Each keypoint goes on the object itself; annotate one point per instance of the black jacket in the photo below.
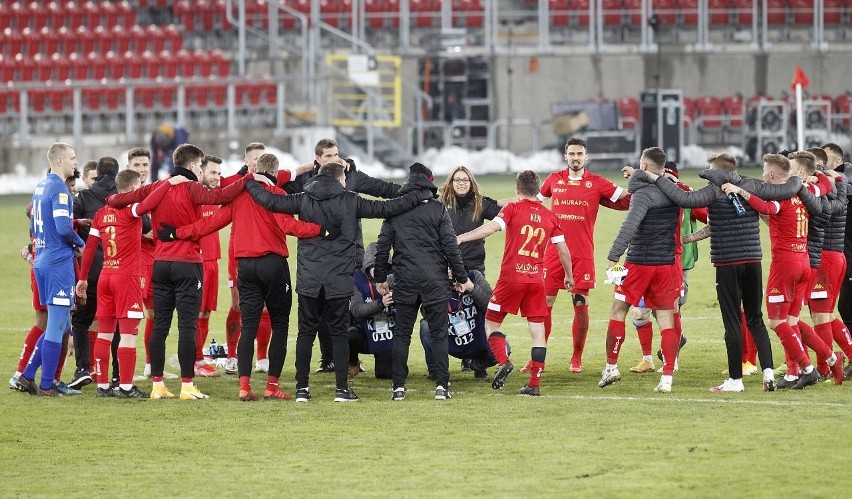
(473, 252)
(835, 232)
(356, 181)
(648, 231)
(325, 263)
(86, 204)
(424, 245)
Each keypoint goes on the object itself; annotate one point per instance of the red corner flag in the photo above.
(799, 78)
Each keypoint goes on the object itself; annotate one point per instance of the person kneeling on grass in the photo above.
(520, 287)
(374, 320)
(466, 313)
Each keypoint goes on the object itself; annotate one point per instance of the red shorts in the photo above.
(659, 284)
(120, 296)
(510, 297)
(210, 286)
(147, 286)
(37, 306)
(554, 274)
(232, 271)
(826, 282)
(786, 287)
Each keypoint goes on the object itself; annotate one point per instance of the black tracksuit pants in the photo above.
(741, 285)
(436, 315)
(263, 281)
(335, 313)
(177, 286)
(383, 366)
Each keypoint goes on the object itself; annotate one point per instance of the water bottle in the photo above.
(738, 205)
(214, 348)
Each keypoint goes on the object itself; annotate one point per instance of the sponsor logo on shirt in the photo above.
(63, 198)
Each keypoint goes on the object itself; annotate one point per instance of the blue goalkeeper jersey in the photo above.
(52, 224)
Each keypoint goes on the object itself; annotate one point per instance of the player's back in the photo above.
(119, 232)
(788, 230)
(529, 225)
(51, 200)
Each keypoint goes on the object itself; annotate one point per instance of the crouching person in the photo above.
(374, 319)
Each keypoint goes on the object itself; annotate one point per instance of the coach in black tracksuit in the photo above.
(86, 204)
(424, 246)
(356, 181)
(325, 268)
(736, 254)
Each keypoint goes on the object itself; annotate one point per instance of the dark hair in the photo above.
(574, 141)
(806, 159)
(324, 144)
(186, 153)
(331, 169)
(210, 159)
(656, 156)
(89, 166)
(831, 146)
(778, 160)
(819, 154)
(107, 166)
(138, 152)
(254, 146)
(528, 183)
(125, 180)
(448, 194)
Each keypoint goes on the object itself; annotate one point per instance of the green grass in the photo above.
(576, 440)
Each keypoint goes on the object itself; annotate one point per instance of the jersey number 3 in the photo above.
(109, 247)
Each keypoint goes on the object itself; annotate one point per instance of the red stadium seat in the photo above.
(666, 11)
(103, 39)
(150, 65)
(114, 98)
(43, 68)
(374, 11)
(734, 107)
(143, 97)
(91, 98)
(75, 15)
(710, 110)
(86, 40)
(60, 100)
(392, 8)
(185, 64)
(25, 69)
(174, 40)
(330, 12)
(120, 39)
(152, 38)
(7, 69)
(5, 16)
(78, 67)
(423, 13)
(219, 94)
(13, 42)
(107, 15)
(468, 13)
(92, 14)
(10, 101)
(50, 40)
(126, 16)
(202, 61)
(803, 11)
(220, 65)
(61, 67)
(634, 10)
(18, 13)
(39, 16)
(247, 94)
(170, 68)
(843, 108)
(689, 11)
(115, 65)
(30, 42)
(559, 12)
(612, 10)
(628, 110)
(689, 112)
(719, 11)
(776, 13)
(580, 11)
(167, 97)
(833, 11)
(184, 13)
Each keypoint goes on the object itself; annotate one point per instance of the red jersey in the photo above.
(181, 206)
(575, 202)
(256, 231)
(210, 247)
(117, 230)
(528, 224)
(148, 250)
(788, 227)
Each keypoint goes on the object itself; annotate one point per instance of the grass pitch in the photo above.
(576, 440)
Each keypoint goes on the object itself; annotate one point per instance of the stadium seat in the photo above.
(423, 13)
(50, 40)
(30, 40)
(77, 66)
(776, 13)
(132, 65)
(733, 107)
(184, 62)
(60, 100)
(174, 40)
(5, 16)
(843, 109)
(13, 42)
(559, 12)
(39, 16)
(688, 11)
(220, 65)
(374, 11)
(833, 10)
(710, 110)
(744, 14)
(689, 112)
(86, 40)
(120, 39)
(392, 8)
(61, 67)
(202, 61)
(92, 14)
(184, 13)
(580, 12)
(803, 11)
(125, 15)
(115, 65)
(143, 97)
(666, 11)
(18, 15)
(633, 11)
(10, 101)
(151, 64)
(24, 68)
(43, 67)
(719, 11)
(75, 15)
(167, 97)
(330, 12)
(612, 10)
(628, 111)
(91, 98)
(114, 98)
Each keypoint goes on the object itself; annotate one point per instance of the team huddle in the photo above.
(150, 250)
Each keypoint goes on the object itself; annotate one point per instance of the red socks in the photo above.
(29, 346)
(536, 369)
(149, 329)
(232, 331)
(646, 337)
(245, 383)
(264, 333)
(126, 365)
(201, 330)
(272, 383)
(101, 363)
(792, 344)
(669, 343)
(810, 338)
(579, 330)
(841, 336)
(677, 325)
(614, 340)
(497, 342)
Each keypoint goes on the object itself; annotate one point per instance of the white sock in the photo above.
(790, 377)
(187, 385)
(832, 360)
(18, 374)
(666, 379)
(610, 367)
(126, 388)
(103, 386)
(200, 363)
(159, 383)
(808, 369)
(648, 358)
(768, 374)
(737, 381)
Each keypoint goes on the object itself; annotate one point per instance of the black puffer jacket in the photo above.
(356, 181)
(836, 229)
(472, 252)
(733, 239)
(424, 245)
(648, 230)
(86, 204)
(325, 263)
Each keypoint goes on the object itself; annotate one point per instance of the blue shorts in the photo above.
(56, 284)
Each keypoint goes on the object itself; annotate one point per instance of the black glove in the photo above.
(243, 170)
(351, 164)
(167, 233)
(420, 168)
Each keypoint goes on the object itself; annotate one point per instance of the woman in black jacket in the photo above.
(468, 209)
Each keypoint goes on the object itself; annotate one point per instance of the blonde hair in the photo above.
(56, 149)
(267, 163)
(723, 160)
(448, 194)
